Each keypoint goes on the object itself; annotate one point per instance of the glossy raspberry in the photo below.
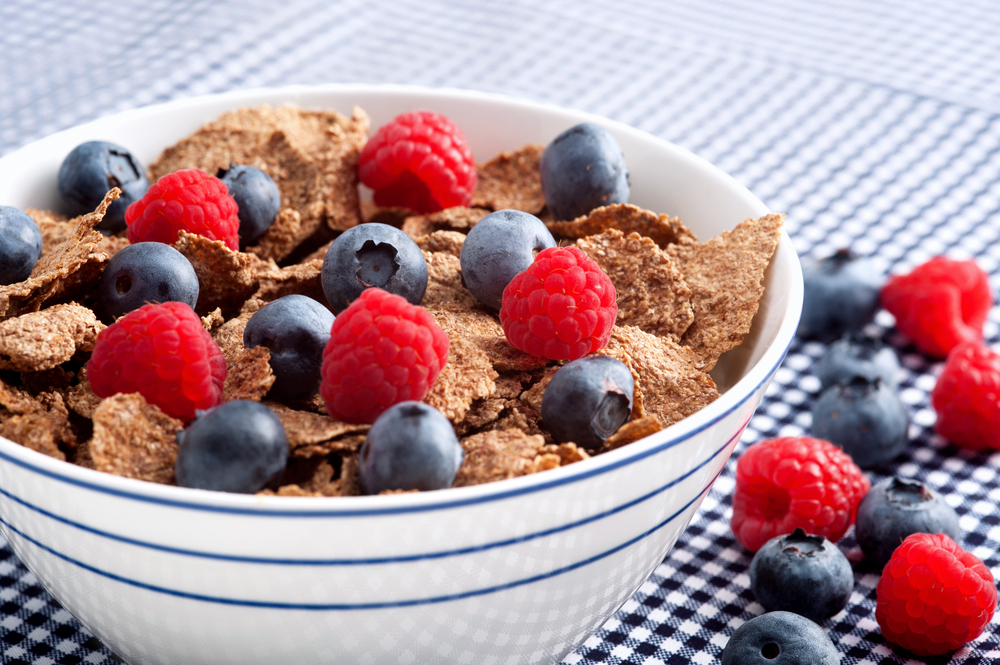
(188, 200)
(967, 397)
(421, 161)
(933, 596)
(382, 351)
(940, 304)
(561, 307)
(162, 352)
(791, 482)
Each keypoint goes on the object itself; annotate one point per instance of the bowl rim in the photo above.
(364, 506)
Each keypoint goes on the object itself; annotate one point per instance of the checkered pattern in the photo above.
(873, 125)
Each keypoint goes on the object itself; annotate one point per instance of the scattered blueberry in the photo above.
(90, 170)
(801, 573)
(238, 446)
(256, 195)
(296, 329)
(582, 169)
(143, 273)
(780, 638)
(896, 508)
(865, 418)
(841, 294)
(370, 255)
(587, 400)
(20, 245)
(411, 446)
(856, 355)
(497, 248)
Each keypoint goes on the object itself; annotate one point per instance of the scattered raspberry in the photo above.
(966, 397)
(163, 353)
(419, 161)
(940, 304)
(189, 200)
(561, 307)
(382, 351)
(792, 482)
(933, 596)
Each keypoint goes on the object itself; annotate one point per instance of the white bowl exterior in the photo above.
(520, 571)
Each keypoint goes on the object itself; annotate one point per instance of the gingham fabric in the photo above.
(873, 125)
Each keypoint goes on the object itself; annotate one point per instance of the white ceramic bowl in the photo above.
(520, 571)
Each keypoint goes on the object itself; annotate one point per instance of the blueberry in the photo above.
(582, 169)
(20, 245)
(587, 400)
(841, 294)
(857, 355)
(370, 255)
(801, 573)
(90, 170)
(256, 195)
(497, 248)
(896, 508)
(779, 638)
(143, 273)
(863, 417)
(411, 446)
(238, 446)
(296, 329)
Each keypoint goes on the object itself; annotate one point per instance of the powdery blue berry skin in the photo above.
(857, 355)
(257, 196)
(370, 255)
(411, 446)
(295, 329)
(146, 272)
(239, 446)
(865, 418)
(840, 295)
(801, 573)
(90, 170)
(20, 245)
(587, 400)
(779, 638)
(896, 508)
(581, 169)
(501, 245)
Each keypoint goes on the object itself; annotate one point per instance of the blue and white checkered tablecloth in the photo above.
(872, 125)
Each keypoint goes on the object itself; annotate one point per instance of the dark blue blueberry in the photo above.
(256, 195)
(146, 272)
(20, 245)
(501, 245)
(582, 169)
(370, 255)
(296, 329)
(587, 400)
(865, 418)
(801, 573)
(857, 355)
(239, 446)
(841, 294)
(780, 638)
(896, 508)
(90, 170)
(411, 446)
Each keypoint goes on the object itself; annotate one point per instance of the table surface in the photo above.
(871, 125)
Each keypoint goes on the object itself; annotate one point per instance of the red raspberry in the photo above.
(933, 596)
(162, 352)
(792, 482)
(382, 351)
(189, 200)
(562, 307)
(967, 397)
(939, 304)
(419, 161)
